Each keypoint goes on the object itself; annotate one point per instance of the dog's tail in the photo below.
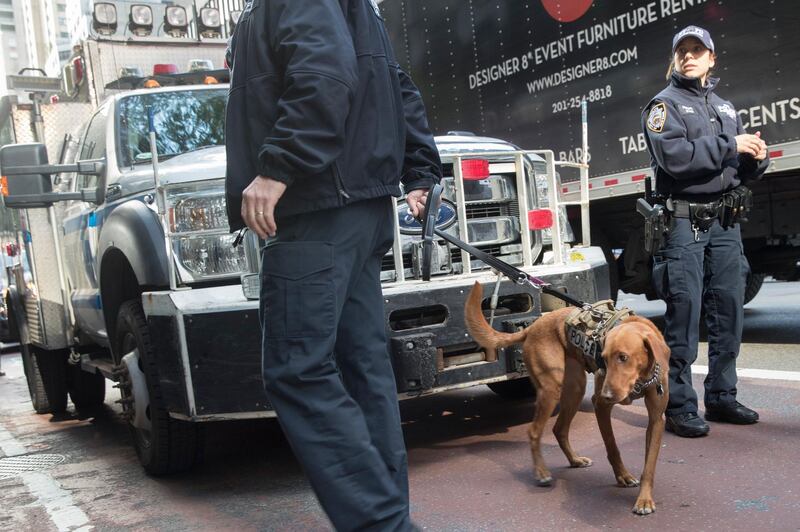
(479, 328)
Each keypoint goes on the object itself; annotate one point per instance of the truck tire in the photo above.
(170, 445)
(514, 389)
(87, 390)
(46, 373)
(754, 282)
(613, 268)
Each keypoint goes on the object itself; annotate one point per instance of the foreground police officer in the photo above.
(700, 155)
(321, 124)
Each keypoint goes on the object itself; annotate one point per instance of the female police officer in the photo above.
(700, 156)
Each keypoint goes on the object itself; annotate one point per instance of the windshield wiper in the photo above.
(207, 146)
(165, 156)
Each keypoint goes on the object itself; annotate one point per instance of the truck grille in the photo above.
(492, 214)
(495, 251)
(486, 211)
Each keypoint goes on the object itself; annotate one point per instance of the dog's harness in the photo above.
(587, 328)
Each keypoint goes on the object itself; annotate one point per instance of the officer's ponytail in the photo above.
(671, 67)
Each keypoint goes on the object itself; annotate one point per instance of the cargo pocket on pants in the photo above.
(297, 289)
(668, 276)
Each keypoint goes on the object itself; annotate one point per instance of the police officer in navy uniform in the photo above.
(322, 125)
(699, 153)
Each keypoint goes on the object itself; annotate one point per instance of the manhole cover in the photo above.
(14, 465)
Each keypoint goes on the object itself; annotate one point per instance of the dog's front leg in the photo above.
(602, 411)
(656, 404)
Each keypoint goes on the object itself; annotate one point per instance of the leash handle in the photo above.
(428, 222)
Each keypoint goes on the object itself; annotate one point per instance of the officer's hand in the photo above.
(416, 200)
(762, 151)
(258, 205)
(748, 144)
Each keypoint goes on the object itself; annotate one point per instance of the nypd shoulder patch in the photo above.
(657, 117)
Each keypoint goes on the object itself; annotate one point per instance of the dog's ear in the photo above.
(656, 348)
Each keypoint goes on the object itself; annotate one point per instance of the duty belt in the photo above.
(684, 209)
(730, 209)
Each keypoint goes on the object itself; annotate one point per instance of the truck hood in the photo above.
(449, 145)
(199, 165)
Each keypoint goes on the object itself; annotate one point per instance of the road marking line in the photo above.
(58, 502)
(48, 492)
(770, 374)
(9, 445)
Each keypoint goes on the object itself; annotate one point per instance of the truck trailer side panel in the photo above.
(518, 70)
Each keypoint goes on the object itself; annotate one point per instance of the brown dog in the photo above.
(558, 372)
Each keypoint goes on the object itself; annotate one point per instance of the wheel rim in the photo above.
(143, 435)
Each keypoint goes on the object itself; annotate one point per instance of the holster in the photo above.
(734, 206)
(656, 227)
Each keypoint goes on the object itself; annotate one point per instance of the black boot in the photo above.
(735, 413)
(687, 425)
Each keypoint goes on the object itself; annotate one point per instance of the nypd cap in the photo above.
(693, 31)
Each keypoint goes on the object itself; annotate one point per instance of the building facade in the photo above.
(35, 34)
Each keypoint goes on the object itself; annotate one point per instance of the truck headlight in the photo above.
(141, 19)
(201, 242)
(210, 256)
(210, 22)
(104, 18)
(176, 21)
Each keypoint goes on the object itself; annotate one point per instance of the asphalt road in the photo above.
(468, 452)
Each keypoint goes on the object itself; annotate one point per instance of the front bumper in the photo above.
(208, 340)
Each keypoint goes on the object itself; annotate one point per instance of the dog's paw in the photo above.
(544, 479)
(581, 461)
(627, 481)
(644, 506)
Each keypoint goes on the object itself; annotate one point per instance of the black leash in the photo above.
(512, 272)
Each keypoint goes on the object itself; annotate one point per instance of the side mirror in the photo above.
(26, 179)
(14, 186)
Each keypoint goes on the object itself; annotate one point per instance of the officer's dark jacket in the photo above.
(692, 145)
(318, 101)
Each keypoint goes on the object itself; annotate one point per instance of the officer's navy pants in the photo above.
(687, 275)
(326, 365)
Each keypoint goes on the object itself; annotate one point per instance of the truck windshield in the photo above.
(184, 121)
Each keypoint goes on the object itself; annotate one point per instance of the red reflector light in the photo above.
(77, 65)
(474, 169)
(776, 153)
(164, 68)
(609, 182)
(638, 177)
(540, 219)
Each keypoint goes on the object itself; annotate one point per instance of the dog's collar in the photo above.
(640, 386)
